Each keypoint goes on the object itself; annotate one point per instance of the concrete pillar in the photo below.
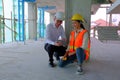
(82, 7)
(32, 20)
(68, 14)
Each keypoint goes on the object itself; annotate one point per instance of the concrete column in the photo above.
(68, 14)
(32, 20)
(82, 7)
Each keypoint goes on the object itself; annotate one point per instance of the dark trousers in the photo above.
(60, 50)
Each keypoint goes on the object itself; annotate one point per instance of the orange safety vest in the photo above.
(77, 43)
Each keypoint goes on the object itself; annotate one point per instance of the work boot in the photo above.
(51, 64)
(79, 70)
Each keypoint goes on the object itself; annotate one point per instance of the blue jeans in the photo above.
(80, 56)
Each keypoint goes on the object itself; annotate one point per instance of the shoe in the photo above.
(57, 58)
(79, 71)
(52, 65)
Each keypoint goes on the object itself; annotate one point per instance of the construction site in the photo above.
(22, 35)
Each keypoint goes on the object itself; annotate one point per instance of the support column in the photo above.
(82, 7)
(68, 14)
(32, 20)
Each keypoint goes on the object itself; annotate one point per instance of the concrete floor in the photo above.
(29, 61)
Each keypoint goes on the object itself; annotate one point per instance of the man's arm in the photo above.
(48, 35)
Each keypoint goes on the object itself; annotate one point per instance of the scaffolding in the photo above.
(2, 29)
(3, 23)
(12, 27)
(41, 25)
(41, 22)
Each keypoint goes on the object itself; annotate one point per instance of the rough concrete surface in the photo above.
(29, 61)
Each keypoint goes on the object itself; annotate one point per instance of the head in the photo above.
(77, 21)
(58, 18)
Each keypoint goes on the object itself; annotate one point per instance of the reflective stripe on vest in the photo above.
(77, 42)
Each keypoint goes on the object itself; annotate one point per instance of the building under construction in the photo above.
(22, 31)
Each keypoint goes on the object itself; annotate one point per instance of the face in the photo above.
(58, 22)
(76, 25)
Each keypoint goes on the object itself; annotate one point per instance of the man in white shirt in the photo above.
(54, 31)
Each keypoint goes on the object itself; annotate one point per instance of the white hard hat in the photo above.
(59, 15)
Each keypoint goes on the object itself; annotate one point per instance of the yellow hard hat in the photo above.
(77, 17)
